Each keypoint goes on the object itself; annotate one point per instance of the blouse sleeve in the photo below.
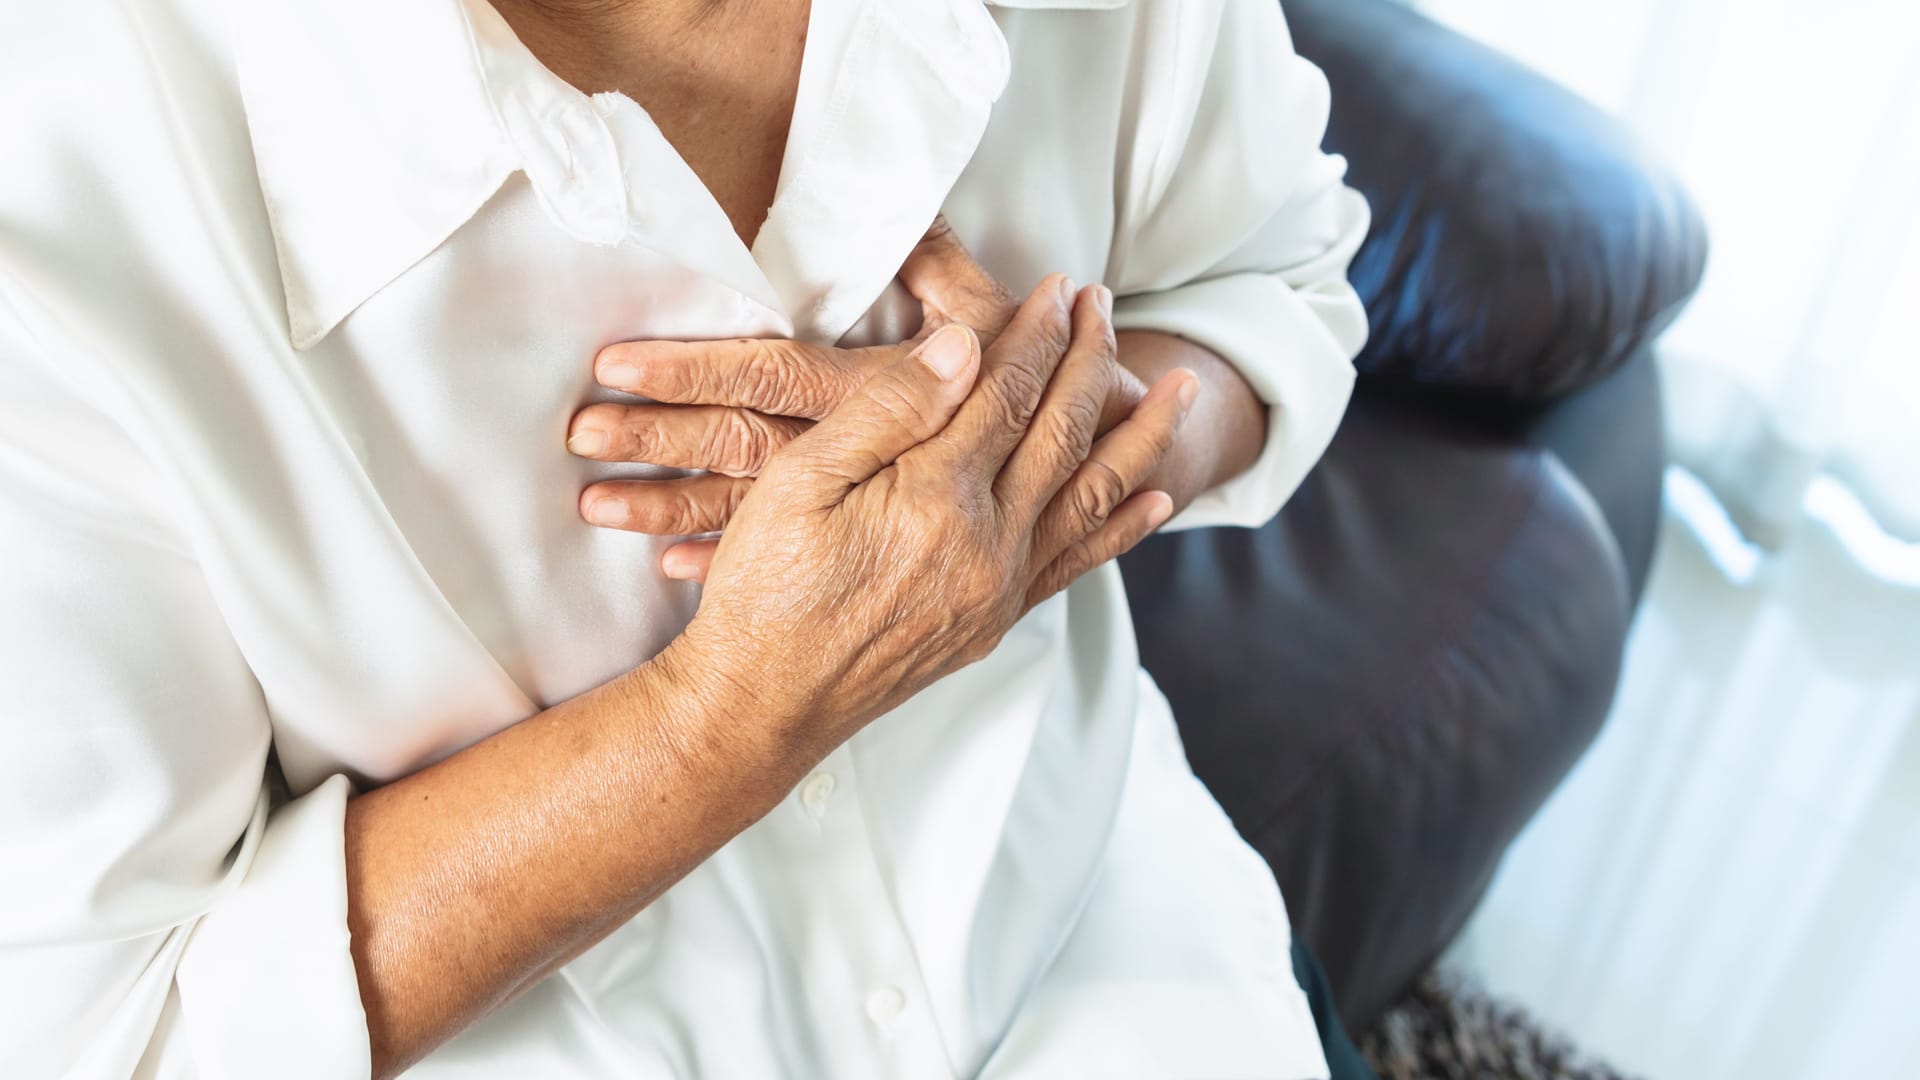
(160, 913)
(1236, 230)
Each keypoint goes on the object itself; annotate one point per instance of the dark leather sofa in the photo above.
(1383, 685)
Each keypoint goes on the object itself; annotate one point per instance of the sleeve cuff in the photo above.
(1293, 346)
(267, 983)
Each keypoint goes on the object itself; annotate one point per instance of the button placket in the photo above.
(885, 1005)
(815, 793)
(874, 984)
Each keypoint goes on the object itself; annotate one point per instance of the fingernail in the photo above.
(1067, 289)
(619, 374)
(677, 566)
(607, 512)
(1162, 510)
(948, 351)
(587, 442)
(1188, 392)
(1105, 296)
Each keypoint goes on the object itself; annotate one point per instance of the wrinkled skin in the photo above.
(909, 530)
(726, 407)
(941, 496)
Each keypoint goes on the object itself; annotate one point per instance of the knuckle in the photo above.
(689, 512)
(1061, 441)
(981, 646)
(734, 495)
(788, 377)
(737, 442)
(654, 512)
(1054, 335)
(1011, 413)
(1015, 391)
(1101, 490)
(815, 388)
(630, 435)
(1078, 416)
(987, 304)
(662, 515)
(764, 370)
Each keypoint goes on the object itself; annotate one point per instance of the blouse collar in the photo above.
(379, 127)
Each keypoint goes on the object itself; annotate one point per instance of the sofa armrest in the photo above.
(1382, 685)
(1522, 245)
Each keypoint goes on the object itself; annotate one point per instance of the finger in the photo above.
(952, 287)
(896, 410)
(737, 442)
(769, 375)
(1069, 414)
(1119, 463)
(690, 560)
(677, 507)
(1131, 522)
(1012, 379)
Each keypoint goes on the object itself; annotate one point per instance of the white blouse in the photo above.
(296, 299)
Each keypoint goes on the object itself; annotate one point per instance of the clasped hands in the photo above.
(885, 513)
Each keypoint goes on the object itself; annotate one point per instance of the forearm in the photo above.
(470, 880)
(1225, 432)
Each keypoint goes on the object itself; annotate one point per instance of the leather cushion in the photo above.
(1381, 686)
(1522, 244)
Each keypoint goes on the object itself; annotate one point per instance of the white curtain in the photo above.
(1728, 886)
(1796, 125)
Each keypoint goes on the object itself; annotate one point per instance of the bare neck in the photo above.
(604, 44)
(719, 77)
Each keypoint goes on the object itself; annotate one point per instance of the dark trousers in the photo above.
(1343, 1059)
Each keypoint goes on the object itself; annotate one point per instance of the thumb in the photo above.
(894, 410)
(952, 287)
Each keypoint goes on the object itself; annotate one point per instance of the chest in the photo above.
(721, 91)
(427, 542)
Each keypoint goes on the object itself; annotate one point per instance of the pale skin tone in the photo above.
(1005, 469)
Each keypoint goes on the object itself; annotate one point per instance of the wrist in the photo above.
(1227, 429)
(713, 702)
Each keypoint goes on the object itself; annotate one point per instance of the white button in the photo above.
(885, 1005)
(817, 790)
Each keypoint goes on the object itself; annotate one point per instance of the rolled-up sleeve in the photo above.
(1235, 232)
(160, 913)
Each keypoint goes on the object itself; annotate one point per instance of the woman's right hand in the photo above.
(899, 539)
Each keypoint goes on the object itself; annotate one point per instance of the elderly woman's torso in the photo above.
(350, 302)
